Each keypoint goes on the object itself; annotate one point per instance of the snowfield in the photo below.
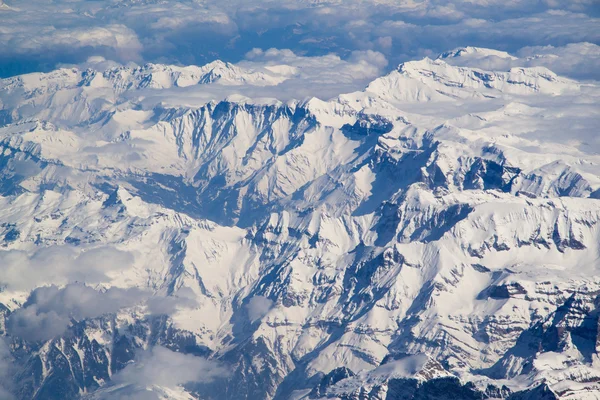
(438, 231)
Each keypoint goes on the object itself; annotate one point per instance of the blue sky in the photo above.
(38, 35)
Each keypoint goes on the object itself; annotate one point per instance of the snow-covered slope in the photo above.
(438, 231)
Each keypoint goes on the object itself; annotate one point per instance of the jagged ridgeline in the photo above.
(433, 236)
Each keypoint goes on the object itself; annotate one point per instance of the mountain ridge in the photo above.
(434, 224)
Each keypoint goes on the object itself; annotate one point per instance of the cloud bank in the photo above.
(163, 367)
(38, 35)
(579, 60)
(49, 311)
(60, 265)
(158, 372)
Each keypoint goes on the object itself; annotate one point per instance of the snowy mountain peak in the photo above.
(123, 78)
(474, 52)
(436, 80)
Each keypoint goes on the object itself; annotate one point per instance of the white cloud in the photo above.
(193, 32)
(118, 37)
(577, 60)
(258, 307)
(183, 298)
(301, 77)
(164, 367)
(49, 310)
(415, 38)
(60, 265)
(321, 76)
(158, 370)
(30, 324)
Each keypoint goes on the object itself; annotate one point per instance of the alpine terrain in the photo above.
(433, 236)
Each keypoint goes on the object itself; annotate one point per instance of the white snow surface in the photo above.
(441, 212)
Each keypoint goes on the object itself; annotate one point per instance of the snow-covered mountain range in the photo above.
(436, 234)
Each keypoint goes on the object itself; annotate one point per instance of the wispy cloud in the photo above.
(258, 307)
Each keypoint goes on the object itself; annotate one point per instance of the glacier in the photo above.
(436, 232)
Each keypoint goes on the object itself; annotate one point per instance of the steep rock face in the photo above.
(91, 353)
(432, 234)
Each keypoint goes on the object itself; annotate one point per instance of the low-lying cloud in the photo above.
(577, 60)
(163, 367)
(167, 305)
(49, 311)
(60, 265)
(158, 369)
(258, 307)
